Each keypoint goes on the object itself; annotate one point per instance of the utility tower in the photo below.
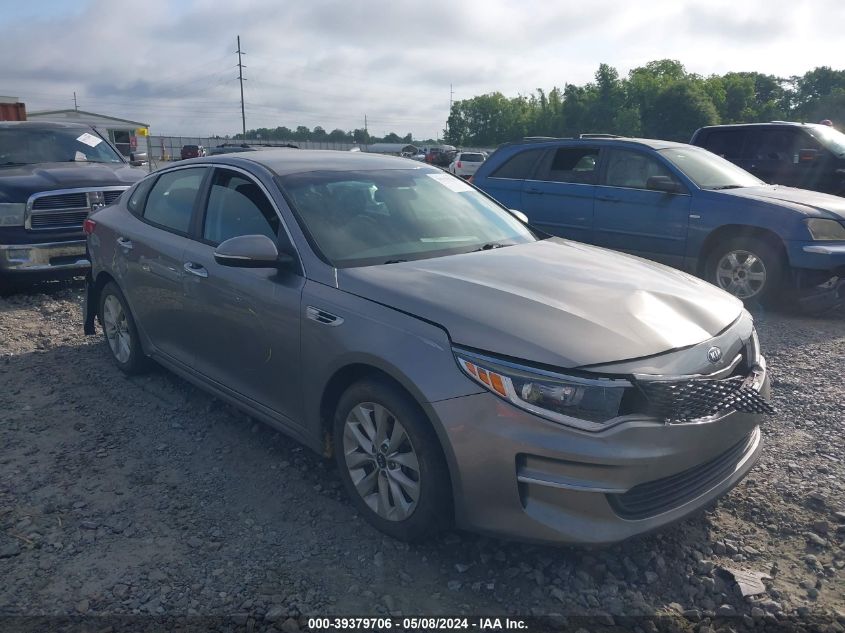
(241, 79)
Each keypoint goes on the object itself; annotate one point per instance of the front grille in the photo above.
(693, 399)
(65, 219)
(67, 210)
(61, 201)
(661, 495)
(110, 197)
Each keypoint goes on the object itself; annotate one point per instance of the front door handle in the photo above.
(195, 269)
(125, 243)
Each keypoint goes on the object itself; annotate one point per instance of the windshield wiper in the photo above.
(395, 261)
(721, 187)
(11, 162)
(490, 246)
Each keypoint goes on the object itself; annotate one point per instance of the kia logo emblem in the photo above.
(714, 354)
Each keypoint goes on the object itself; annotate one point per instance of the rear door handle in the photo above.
(125, 243)
(609, 198)
(195, 269)
(535, 191)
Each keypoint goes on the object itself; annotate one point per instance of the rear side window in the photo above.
(237, 206)
(171, 200)
(520, 166)
(572, 164)
(136, 200)
(726, 143)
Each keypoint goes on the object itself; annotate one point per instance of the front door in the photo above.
(631, 217)
(247, 329)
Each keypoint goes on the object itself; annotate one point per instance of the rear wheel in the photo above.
(120, 331)
(748, 268)
(391, 462)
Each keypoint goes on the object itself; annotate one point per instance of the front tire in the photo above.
(391, 462)
(748, 268)
(120, 331)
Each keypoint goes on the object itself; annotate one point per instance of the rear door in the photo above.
(559, 198)
(150, 252)
(246, 325)
(632, 218)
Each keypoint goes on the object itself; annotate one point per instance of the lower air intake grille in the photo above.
(661, 495)
(695, 399)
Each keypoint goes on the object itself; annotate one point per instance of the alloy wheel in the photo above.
(741, 273)
(381, 461)
(116, 327)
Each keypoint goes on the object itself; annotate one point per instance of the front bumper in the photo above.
(817, 255)
(517, 475)
(43, 258)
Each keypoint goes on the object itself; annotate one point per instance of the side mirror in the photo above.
(250, 251)
(664, 184)
(807, 155)
(519, 215)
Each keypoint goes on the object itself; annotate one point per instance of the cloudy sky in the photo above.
(171, 63)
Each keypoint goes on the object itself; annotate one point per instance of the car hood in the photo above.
(19, 182)
(808, 202)
(554, 302)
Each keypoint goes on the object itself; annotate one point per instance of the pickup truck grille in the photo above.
(67, 209)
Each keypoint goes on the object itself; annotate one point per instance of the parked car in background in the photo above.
(680, 205)
(192, 151)
(440, 156)
(465, 164)
(804, 155)
(51, 176)
(419, 156)
(459, 366)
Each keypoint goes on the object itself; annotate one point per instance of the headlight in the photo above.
(824, 229)
(12, 214)
(585, 403)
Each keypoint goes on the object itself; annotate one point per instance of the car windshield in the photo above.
(389, 216)
(472, 158)
(707, 170)
(27, 146)
(833, 139)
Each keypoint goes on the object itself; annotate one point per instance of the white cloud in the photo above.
(330, 62)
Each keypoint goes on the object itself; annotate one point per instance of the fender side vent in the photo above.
(321, 316)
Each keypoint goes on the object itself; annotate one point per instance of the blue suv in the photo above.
(680, 205)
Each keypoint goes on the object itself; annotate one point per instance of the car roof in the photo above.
(592, 140)
(44, 125)
(286, 161)
(762, 124)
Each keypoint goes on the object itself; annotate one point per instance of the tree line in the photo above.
(658, 100)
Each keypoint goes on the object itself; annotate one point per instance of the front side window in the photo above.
(237, 206)
(832, 139)
(24, 145)
(707, 170)
(630, 169)
(778, 145)
(386, 216)
(572, 164)
(171, 200)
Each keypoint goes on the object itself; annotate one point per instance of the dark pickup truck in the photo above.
(51, 176)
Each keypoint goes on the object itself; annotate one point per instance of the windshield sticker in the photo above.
(89, 139)
(455, 184)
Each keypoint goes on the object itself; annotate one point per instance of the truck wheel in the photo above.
(121, 333)
(748, 268)
(391, 462)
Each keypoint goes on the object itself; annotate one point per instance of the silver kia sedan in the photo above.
(461, 367)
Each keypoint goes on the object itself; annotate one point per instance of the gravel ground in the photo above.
(146, 496)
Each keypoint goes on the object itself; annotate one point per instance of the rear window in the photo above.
(472, 158)
(190, 147)
(520, 166)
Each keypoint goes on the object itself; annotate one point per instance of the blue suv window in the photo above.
(572, 164)
(520, 166)
(632, 169)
